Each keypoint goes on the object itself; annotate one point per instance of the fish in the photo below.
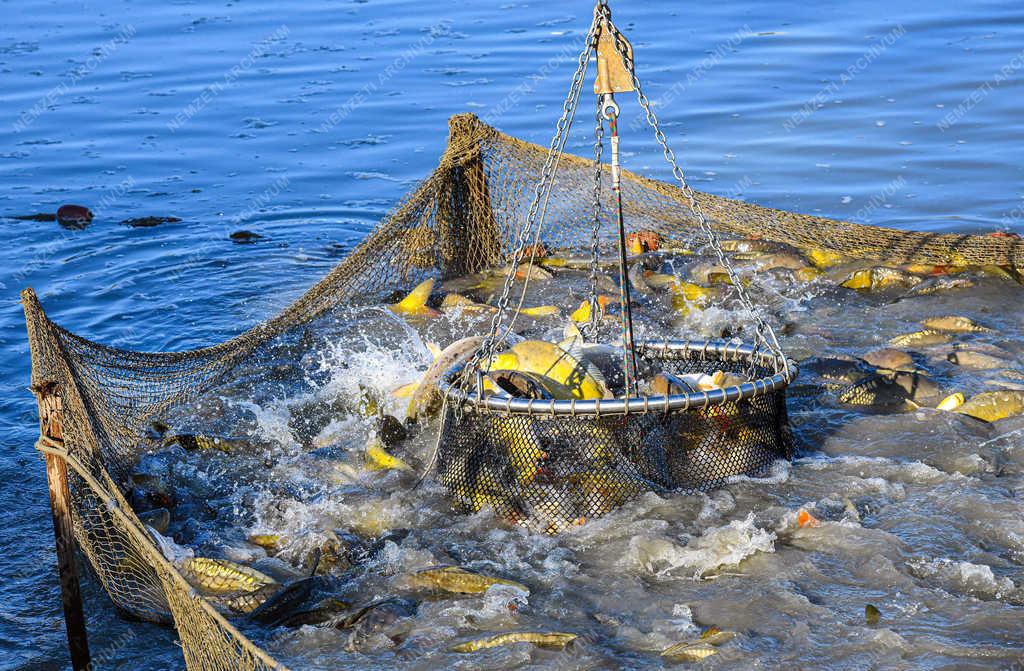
(991, 406)
(584, 381)
(379, 459)
(457, 580)
(192, 442)
(925, 337)
(639, 242)
(976, 360)
(893, 359)
(415, 303)
(823, 259)
(660, 281)
(521, 442)
(525, 385)
(454, 301)
(951, 402)
(667, 384)
(278, 607)
(540, 639)
(549, 509)
(576, 262)
(582, 314)
(837, 370)
(693, 293)
(605, 360)
(159, 519)
(770, 261)
(879, 278)
(483, 487)
(954, 324)
(599, 491)
(426, 399)
(920, 388)
(246, 602)
(638, 281)
(804, 519)
(933, 285)
(877, 391)
(374, 620)
(152, 490)
(688, 652)
(716, 636)
(272, 543)
(754, 246)
(221, 576)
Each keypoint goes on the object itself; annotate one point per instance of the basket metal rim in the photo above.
(712, 349)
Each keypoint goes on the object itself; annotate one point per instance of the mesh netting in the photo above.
(549, 471)
(460, 220)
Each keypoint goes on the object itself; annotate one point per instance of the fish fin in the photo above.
(435, 350)
(572, 332)
(540, 311)
(576, 352)
(417, 298)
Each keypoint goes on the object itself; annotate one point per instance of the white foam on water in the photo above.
(963, 577)
(720, 546)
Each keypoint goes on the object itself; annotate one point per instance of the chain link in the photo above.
(763, 328)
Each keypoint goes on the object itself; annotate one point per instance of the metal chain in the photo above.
(763, 328)
(543, 187)
(591, 327)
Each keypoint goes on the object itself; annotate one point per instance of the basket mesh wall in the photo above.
(550, 472)
(461, 219)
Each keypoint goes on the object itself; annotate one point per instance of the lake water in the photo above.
(305, 124)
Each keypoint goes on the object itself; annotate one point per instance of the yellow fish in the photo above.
(822, 258)
(951, 402)
(954, 324)
(525, 452)
(582, 314)
(379, 459)
(415, 304)
(550, 360)
(925, 337)
(456, 580)
(540, 639)
(222, 576)
(991, 406)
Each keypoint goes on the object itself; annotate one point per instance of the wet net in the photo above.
(462, 219)
(549, 470)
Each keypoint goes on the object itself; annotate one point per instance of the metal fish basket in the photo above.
(552, 464)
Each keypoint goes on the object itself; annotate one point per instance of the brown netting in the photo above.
(461, 219)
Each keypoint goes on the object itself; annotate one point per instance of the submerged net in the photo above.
(461, 219)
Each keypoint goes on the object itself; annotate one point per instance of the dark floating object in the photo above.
(42, 216)
(244, 237)
(74, 216)
(148, 222)
(872, 615)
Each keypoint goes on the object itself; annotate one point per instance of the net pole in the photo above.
(629, 351)
(63, 530)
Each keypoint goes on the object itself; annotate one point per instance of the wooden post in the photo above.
(60, 506)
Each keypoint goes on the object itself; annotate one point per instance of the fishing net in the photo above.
(463, 218)
(549, 466)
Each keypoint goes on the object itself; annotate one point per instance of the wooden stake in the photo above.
(60, 507)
